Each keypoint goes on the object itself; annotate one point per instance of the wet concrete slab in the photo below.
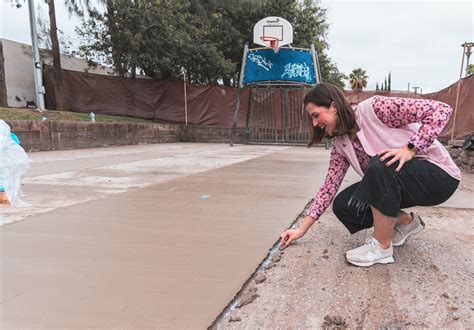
(149, 236)
(168, 255)
(60, 178)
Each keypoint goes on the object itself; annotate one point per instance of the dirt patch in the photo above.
(260, 279)
(248, 297)
(311, 285)
(334, 322)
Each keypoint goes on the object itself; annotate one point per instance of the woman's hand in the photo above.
(289, 236)
(402, 155)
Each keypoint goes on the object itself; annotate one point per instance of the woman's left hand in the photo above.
(402, 155)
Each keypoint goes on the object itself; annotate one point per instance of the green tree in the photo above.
(358, 79)
(205, 37)
(158, 38)
(232, 26)
(330, 72)
(389, 81)
(377, 86)
(115, 36)
(44, 40)
(311, 27)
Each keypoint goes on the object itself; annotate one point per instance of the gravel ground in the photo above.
(312, 286)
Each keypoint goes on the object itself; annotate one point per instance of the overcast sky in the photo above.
(418, 41)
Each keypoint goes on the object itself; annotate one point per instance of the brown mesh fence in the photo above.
(357, 97)
(163, 101)
(277, 114)
(462, 121)
(146, 98)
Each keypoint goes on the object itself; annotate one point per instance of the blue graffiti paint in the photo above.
(295, 65)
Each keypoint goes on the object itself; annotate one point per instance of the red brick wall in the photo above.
(42, 136)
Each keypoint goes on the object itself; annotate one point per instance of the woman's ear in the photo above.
(333, 107)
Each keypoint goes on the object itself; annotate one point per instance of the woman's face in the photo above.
(323, 117)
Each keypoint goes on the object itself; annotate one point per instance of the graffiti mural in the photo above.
(288, 64)
(296, 70)
(261, 61)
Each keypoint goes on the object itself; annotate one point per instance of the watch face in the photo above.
(411, 146)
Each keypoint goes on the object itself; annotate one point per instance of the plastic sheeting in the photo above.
(13, 164)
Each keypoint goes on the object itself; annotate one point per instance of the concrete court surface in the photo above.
(158, 236)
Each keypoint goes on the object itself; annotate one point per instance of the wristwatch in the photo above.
(412, 147)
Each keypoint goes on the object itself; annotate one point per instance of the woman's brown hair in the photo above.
(322, 95)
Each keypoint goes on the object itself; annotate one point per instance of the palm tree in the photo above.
(3, 88)
(470, 69)
(358, 79)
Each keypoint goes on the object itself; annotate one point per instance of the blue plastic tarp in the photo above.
(13, 164)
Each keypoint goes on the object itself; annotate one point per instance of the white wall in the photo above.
(18, 73)
(20, 81)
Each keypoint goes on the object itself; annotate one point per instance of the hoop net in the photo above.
(272, 42)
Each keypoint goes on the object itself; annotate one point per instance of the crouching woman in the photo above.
(391, 143)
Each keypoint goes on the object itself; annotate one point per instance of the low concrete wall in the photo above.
(43, 136)
(211, 134)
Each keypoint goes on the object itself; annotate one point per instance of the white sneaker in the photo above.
(370, 253)
(402, 232)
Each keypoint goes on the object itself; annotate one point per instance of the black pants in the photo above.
(418, 183)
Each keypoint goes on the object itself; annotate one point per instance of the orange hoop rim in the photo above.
(273, 41)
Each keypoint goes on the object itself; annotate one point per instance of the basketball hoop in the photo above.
(271, 42)
(273, 32)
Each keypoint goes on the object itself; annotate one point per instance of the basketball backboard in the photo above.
(273, 32)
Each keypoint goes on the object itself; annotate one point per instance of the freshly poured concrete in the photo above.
(157, 236)
(62, 178)
(169, 255)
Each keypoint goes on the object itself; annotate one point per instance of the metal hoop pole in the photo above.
(38, 74)
(317, 69)
(458, 90)
(286, 111)
(249, 115)
(237, 103)
(185, 98)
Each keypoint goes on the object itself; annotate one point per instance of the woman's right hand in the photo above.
(289, 236)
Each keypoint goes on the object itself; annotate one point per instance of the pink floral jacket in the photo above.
(392, 112)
